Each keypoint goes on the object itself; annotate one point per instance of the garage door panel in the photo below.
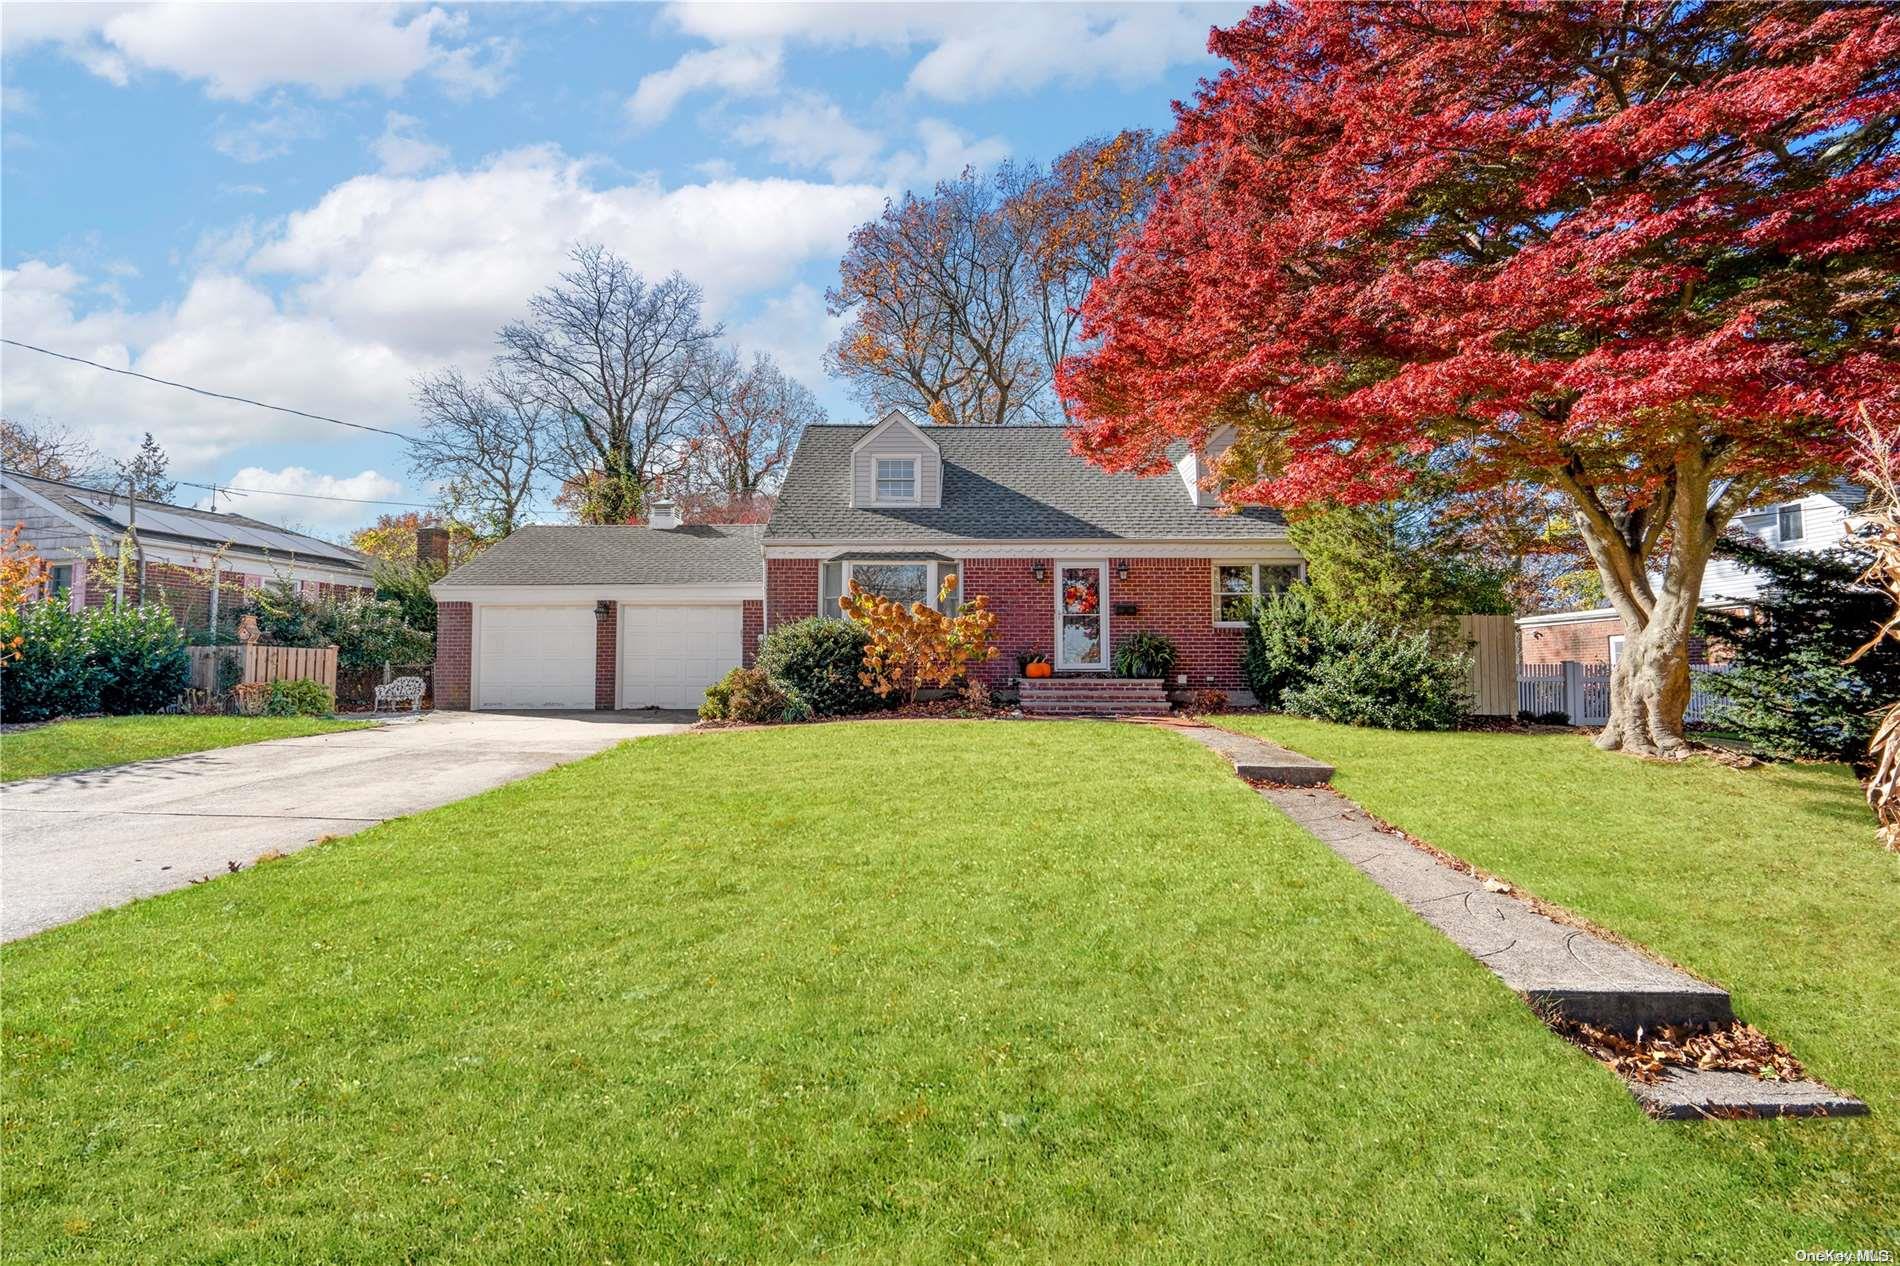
(670, 654)
(536, 657)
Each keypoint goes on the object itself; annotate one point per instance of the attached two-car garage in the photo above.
(574, 618)
(549, 657)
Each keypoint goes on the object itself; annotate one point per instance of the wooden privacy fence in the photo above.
(1492, 641)
(256, 663)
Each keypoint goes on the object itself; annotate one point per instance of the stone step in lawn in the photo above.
(1257, 760)
(1561, 968)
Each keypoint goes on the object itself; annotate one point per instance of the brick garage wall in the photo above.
(1586, 642)
(606, 663)
(454, 635)
(791, 590)
(752, 628)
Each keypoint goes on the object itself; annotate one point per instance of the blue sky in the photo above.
(312, 204)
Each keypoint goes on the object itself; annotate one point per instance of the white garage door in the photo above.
(669, 655)
(535, 657)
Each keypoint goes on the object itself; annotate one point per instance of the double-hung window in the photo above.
(1238, 586)
(897, 479)
(1789, 523)
(904, 581)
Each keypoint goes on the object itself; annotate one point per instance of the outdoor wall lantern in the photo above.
(605, 607)
(1121, 569)
(1040, 572)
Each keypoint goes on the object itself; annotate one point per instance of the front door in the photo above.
(1082, 617)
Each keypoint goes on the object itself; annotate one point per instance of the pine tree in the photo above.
(1790, 691)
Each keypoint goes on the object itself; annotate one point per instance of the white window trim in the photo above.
(916, 480)
(1214, 589)
(1799, 511)
(1616, 648)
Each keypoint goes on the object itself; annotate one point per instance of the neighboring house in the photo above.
(79, 530)
(1595, 636)
(1072, 559)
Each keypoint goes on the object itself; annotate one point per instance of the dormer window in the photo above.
(1789, 523)
(897, 480)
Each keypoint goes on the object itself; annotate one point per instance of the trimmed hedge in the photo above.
(119, 661)
(819, 660)
(141, 655)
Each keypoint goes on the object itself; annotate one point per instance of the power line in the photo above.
(305, 496)
(215, 395)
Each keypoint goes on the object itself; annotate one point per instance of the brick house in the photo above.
(1595, 635)
(79, 532)
(1072, 559)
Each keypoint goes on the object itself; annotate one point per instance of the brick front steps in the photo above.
(1092, 696)
(1558, 967)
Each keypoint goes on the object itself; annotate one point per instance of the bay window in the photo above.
(900, 580)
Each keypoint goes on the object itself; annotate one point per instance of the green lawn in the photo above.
(1766, 880)
(919, 991)
(66, 746)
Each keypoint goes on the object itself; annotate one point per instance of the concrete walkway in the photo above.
(1561, 969)
(75, 843)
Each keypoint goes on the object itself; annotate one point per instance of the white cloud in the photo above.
(306, 509)
(980, 50)
(436, 263)
(336, 309)
(403, 150)
(269, 135)
(811, 132)
(735, 70)
(794, 329)
(240, 49)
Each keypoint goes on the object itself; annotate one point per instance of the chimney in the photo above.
(432, 545)
(663, 514)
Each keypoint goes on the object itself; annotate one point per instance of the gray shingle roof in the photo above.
(697, 554)
(1000, 483)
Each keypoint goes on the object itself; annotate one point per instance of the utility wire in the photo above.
(215, 395)
(304, 496)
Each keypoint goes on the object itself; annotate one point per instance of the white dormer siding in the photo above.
(1820, 520)
(1200, 464)
(905, 449)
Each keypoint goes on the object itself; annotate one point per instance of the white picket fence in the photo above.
(1582, 691)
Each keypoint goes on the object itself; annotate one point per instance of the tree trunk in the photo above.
(1649, 683)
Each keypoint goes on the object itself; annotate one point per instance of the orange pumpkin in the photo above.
(1038, 669)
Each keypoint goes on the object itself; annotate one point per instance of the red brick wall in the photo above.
(186, 591)
(606, 664)
(752, 628)
(454, 630)
(1586, 642)
(791, 590)
(1025, 609)
(1174, 597)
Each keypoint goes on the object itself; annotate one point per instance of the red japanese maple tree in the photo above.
(1642, 254)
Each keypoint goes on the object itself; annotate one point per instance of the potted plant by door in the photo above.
(1034, 664)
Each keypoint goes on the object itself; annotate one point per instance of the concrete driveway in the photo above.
(75, 843)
